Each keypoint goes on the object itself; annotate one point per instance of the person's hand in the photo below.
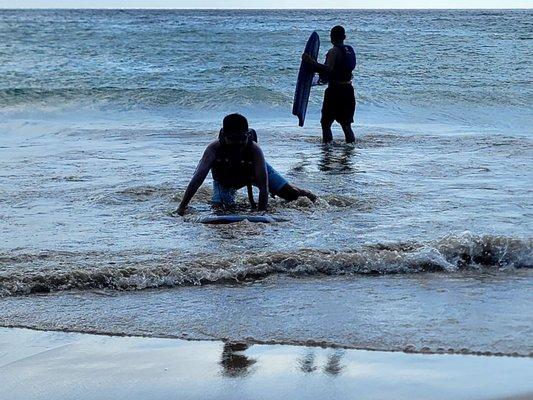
(306, 57)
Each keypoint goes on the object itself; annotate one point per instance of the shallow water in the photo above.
(104, 115)
(467, 313)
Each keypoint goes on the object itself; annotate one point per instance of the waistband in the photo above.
(337, 83)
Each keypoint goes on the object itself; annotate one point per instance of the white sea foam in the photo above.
(449, 254)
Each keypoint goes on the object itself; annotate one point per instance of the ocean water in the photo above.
(104, 115)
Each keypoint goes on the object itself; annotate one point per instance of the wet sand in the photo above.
(58, 365)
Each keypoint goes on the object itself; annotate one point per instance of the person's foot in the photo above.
(222, 209)
(350, 137)
(348, 133)
(308, 194)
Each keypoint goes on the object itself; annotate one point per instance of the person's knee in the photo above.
(326, 123)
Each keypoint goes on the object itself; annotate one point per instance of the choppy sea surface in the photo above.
(104, 115)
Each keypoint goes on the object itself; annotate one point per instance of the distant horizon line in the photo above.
(261, 8)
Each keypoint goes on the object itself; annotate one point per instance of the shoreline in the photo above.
(259, 342)
(59, 364)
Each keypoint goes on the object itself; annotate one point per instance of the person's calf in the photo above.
(288, 193)
(327, 134)
(291, 193)
(348, 133)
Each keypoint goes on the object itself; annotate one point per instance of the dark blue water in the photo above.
(412, 62)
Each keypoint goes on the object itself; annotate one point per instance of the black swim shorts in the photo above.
(339, 104)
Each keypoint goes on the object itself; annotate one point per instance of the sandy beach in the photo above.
(58, 365)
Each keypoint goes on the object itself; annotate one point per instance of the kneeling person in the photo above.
(236, 161)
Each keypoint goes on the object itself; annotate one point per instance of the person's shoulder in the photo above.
(212, 149)
(334, 53)
(213, 146)
(255, 149)
(330, 52)
(254, 146)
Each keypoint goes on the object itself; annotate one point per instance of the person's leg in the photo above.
(223, 197)
(279, 186)
(290, 193)
(347, 112)
(327, 135)
(348, 132)
(275, 180)
(328, 115)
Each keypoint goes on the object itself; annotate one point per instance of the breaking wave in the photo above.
(66, 271)
(135, 98)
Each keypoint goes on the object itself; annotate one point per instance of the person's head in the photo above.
(234, 130)
(337, 34)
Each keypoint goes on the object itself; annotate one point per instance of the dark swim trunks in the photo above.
(339, 104)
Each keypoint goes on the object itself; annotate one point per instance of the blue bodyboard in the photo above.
(305, 78)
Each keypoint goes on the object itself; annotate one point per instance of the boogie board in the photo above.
(305, 79)
(230, 219)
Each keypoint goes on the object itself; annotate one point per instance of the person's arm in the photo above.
(261, 178)
(327, 67)
(198, 178)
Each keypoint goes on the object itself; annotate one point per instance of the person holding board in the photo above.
(339, 97)
(236, 161)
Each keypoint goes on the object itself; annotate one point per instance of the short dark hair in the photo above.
(338, 33)
(235, 124)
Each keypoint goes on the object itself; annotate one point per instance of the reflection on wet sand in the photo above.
(337, 161)
(235, 364)
(307, 362)
(333, 366)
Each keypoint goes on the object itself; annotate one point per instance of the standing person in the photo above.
(236, 161)
(339, 97)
